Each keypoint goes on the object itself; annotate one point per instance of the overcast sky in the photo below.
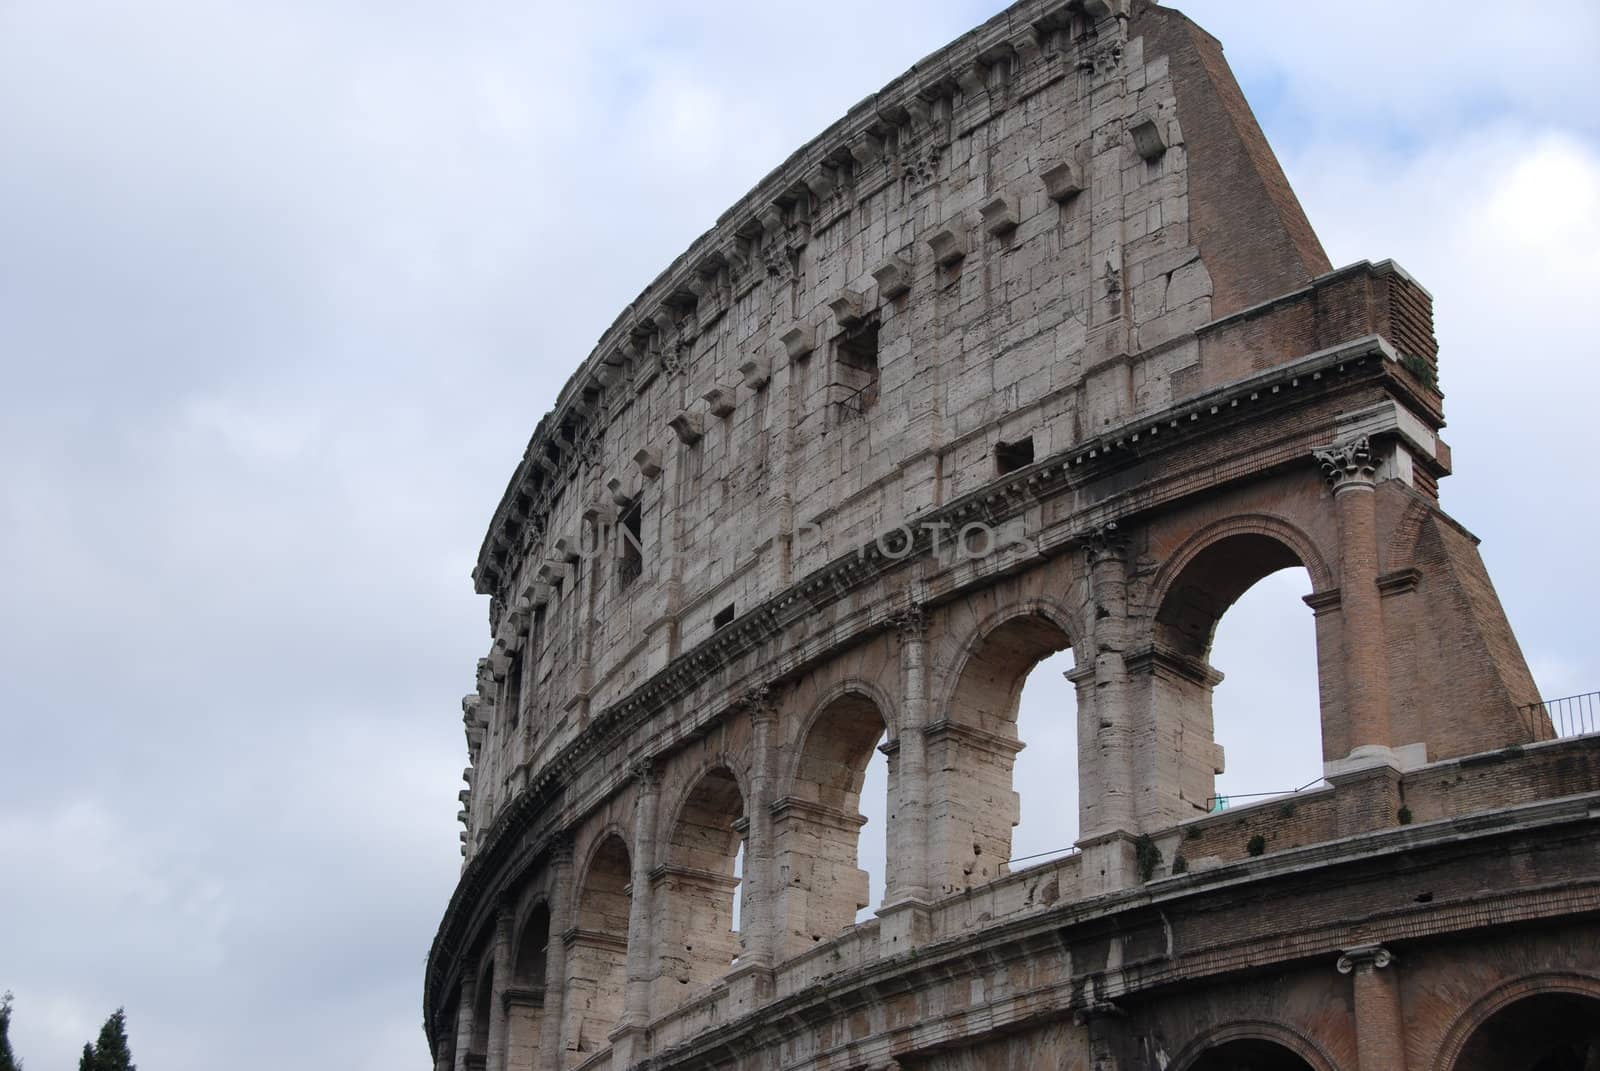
(284, 289)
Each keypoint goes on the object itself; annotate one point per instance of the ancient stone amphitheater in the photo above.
(1032, 350)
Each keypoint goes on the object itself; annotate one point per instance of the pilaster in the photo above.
(1380, 1028)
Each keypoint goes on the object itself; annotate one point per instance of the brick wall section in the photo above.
(1474, 785)
(1249, 225)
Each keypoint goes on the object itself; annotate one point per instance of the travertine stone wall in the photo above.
(1033, 351)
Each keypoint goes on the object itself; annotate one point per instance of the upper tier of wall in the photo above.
(1001, 255)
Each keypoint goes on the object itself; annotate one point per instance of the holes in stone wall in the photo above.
(724, 618)
(630, 549)
(1009, 457)
(855, 386)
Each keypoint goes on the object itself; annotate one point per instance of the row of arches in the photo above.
(833, 840)
(758, 852)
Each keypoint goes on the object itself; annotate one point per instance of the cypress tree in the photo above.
(110, 1050)
(8, 1060)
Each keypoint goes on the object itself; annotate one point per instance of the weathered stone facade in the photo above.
(1033, 350)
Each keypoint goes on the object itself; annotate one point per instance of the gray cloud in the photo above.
(283, 291)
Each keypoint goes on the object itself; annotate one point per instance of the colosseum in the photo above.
(1032, 351)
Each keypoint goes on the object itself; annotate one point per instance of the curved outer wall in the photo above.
(1033, 350)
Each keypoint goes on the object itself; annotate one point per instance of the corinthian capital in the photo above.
(1348, 464)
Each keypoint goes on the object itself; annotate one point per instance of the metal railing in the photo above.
(1217, 804)
(1557, 719)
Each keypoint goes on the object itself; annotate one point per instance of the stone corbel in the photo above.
(597, 511)
(757, 372)
(688, 427)
(737, 252)
(665, 319)
(893, 277)
(1148, 140)
(821, 182)
(847, 308)
(539, 594)
(648, 462)
(721, 401)
(949, 243)
(1000, 214)
(1063, 181)
(973, 79)
(867, 148)
(620, 494)
(1026, 46)
(798, 341)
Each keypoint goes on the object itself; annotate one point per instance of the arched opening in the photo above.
(1269, 715)
(1046, 771)
(817, 826)
(973, 752)
(597, 958)
(872, 847)
(1542, 1032)
(482, 1003)
(1249, 1054)
(525, 995)
(697, 888)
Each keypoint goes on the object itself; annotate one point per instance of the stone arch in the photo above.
(1250, 1036)
(597, 952)
(973, 742)
(531, 941)
(693, 888)
(482, 1008)
(1503, 998)
(817, 821)
(524, 991)
(1173, 675)
(1264, 529)
(851, 689)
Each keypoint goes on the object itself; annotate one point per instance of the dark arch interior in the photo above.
(1212, 582)
(705, 837)
(483, 1002)
(1249, 1054)
(837, 750)
(992, 679)
(1544, 1032)
(603, 907)
(528, 969)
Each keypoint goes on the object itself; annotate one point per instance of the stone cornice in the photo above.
(1079, 467)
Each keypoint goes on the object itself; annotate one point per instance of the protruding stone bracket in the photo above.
(721, 401)
(1348, 465)
(893, 277)
(1148, 141)
(756, 371)
(620, 493)
(1000, 215)
(1063, 181)
(867, 148)
(847, 309)
(798, 341)
(1371, 957)
(949, 243)
(688, 427)
(648, 462)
